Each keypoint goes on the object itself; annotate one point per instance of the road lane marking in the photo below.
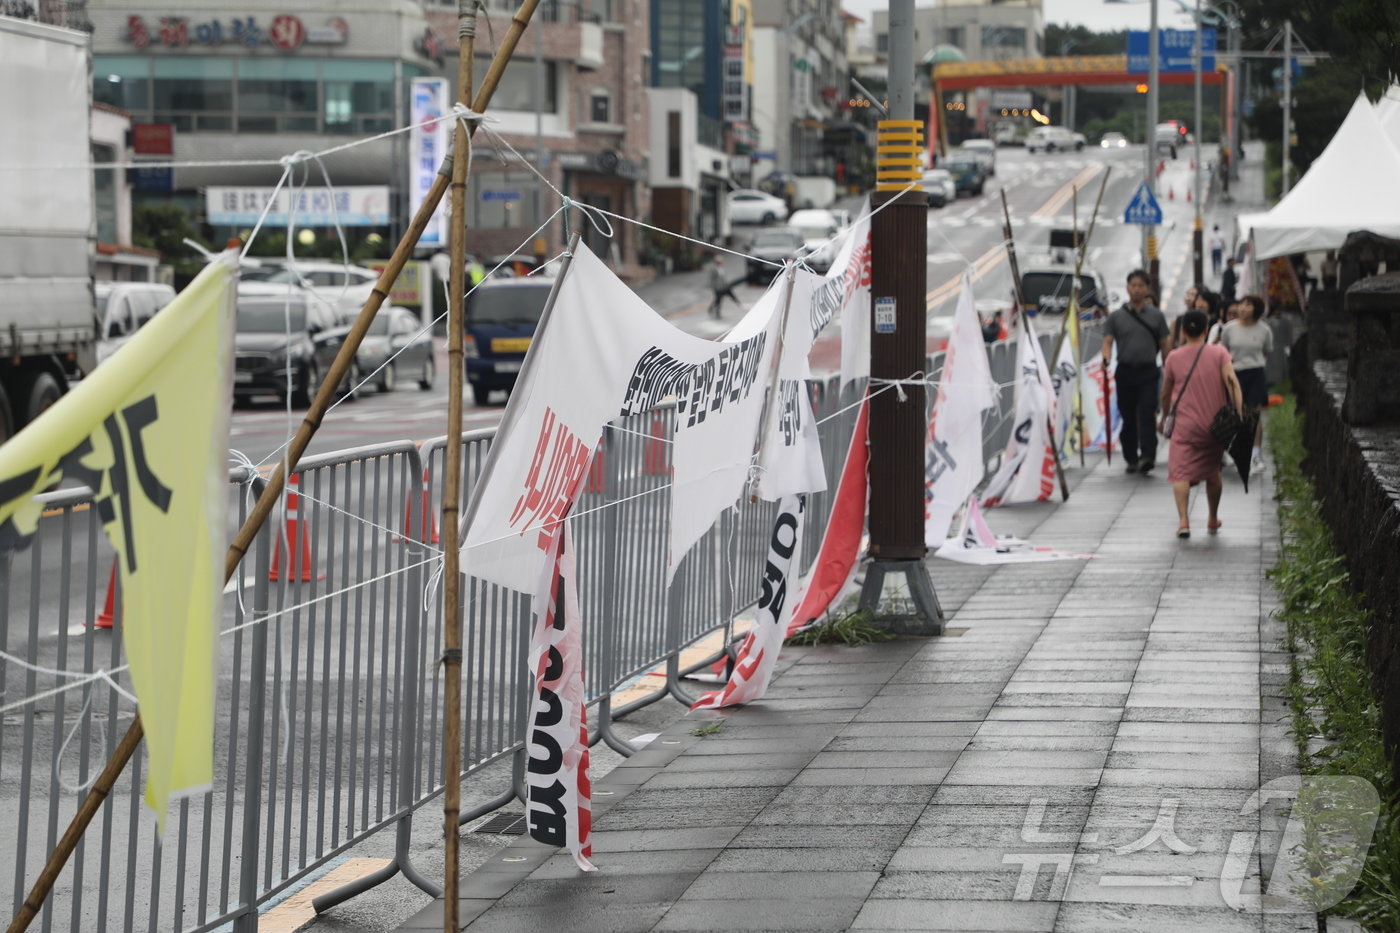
(1060, 197)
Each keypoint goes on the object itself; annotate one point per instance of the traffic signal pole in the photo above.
(899, 418)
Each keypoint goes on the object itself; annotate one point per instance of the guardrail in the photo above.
(329, 696)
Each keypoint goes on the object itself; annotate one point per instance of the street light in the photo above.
(1149, 237)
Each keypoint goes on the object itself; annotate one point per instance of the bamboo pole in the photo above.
(452, 481)
(311, 422)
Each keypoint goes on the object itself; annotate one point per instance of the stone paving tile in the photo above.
(1073, 743)
(1179, 779)
(881, 814)
(647, 839)
(577, 916)
(948, 885)
(1186, 714)
(877, 743)
(1054, 713)
(868, 776)
(1117, 918)
(762, 914)
(883, 759)
(831, 859)
(795, 885)
(965, 916)
(1023, 758)
(1018, 815)
(746, 761)
(649, 888)
(804, 836)
(766, 777)
(627, 864)
(1012, 727)
(740, 744)
(853, 794)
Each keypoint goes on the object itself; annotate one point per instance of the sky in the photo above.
(1093, 14)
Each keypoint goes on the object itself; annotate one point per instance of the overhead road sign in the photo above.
(1173, 50)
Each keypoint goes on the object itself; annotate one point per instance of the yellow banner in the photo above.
(148, 433)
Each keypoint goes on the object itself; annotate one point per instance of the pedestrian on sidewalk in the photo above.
(721, 286)
(1197, 380)
(1229, 281)
(1250, 341)
(1177, 338)
(1140, 330)
(1217, 250)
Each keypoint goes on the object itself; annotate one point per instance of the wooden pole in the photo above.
(1028, 334)
(452, 481)
(242, 541)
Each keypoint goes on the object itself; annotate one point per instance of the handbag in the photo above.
(1169, 422)
(1226, 424)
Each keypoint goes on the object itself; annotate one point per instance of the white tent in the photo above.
(1354, 185)
(1388, 112)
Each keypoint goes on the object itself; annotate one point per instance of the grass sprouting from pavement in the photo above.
(852, 629)
(1336, 715)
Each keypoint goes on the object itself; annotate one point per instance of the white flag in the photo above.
(953, 462)
(1027, 471)
(1064, 377)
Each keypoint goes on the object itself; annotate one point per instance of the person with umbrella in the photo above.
(1250, 341)
(1197, 380)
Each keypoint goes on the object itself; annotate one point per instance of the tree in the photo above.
(164, 228)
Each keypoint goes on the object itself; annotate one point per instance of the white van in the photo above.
(1052, 139)
(122, 308)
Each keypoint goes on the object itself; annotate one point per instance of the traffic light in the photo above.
(1142, 88)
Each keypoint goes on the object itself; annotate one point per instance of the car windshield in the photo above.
(960, 167)
(270, 318)
(103, 299)
(1051, 289)
(820, 232)
(508, 305)
(773, 238)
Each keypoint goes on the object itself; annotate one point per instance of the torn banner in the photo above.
(1027, 472)
(975, 544)
(148, 433)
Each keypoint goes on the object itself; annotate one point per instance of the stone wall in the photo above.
(1356, 470)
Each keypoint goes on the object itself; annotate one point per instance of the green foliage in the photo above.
(1335, 711)
(1080, 40)
(853, 629)
(713, 728)
(164, 227)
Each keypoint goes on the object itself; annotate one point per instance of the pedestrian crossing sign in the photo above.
(1143, 208)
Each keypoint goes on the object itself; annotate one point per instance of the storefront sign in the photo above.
(352, 206)
(285, 32)
(427, 145)
(411, 287)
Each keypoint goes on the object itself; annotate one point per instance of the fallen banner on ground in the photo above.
(148, 433)
(953, 463)
(1027, 472)
(975, 544)
(758, 652)
(559, 796)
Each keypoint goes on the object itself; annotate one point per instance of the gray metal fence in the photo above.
(329, 697)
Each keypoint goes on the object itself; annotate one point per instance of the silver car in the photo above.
(398, 342)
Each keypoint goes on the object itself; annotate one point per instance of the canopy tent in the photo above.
(1350, 186)
(1388, 112)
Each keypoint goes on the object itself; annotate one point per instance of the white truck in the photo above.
(48, 328)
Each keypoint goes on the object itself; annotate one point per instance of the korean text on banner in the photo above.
(1027, 471)
(559, 791)
(851, 269)
(1064, 378)
(953, 458)
(759, 652)
(148, 433)
(790, 452)
(601, 353)
(427, 146)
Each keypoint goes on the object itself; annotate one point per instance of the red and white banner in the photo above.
(559, 796)
(759, 651)
(975, 544)
(1027, 471)
(1064, 378)
(600, 354)
(847, 288)
(953, 463)
(1098, 410)
(838, 556)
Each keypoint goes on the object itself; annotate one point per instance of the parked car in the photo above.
(986, 151)
(283, 344)
(344, 289)
(122, 308)
(1052, 139)
(815, 227)
(747, 206)
(501, 317)
(939, 185)
(774, 246)
(1169, 136)
(1113, 141)
(1080, 141)
(1006, 134)
(1046, 286)
(968, 175)
(397, 333)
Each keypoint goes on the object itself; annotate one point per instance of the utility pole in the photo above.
(898, 419)
(1149, 233)
(1287, 97)
(1197, 233)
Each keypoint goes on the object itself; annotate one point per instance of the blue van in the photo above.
(501, 317)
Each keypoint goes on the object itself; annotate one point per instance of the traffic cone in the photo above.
(654, 453)
(1193, 165)
(429, 517)
(297, 541)
(1171, 194)
(108, 615)
(1188, 195)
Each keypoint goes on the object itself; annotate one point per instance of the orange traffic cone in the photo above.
(297, 541)
(1171, 194)
(108, 615)
(1188, 195)
(429, 517)
(654, 454)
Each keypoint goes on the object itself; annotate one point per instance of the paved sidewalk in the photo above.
(1007, 776)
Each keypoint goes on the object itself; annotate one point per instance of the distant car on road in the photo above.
(1046, 285)
(344, 289)
(747, 206)
(986, 151)
(939, 185)
(501, 317)
(1053, 139)
(818, 229)
(1113, 141)
(774, 246)
(397, 332)
(122, 309)
(283, 345)
(1005, 134)
(968, 175)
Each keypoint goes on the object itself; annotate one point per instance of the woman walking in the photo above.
(1197, 380)
(1250, 341)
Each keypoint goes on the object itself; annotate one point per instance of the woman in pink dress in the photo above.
(1196, 396)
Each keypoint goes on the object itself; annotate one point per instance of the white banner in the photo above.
(759, 651)
(559, 794)
(953, 459)
(427, 146)
(351, 206)
(790, 454)
(848, 288)
(1027, 471)
(600, 354)
(1064, 378)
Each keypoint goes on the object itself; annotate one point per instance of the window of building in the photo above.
(954, 36)
(277, 95)
(122, 81)
(501, 199)
(105, 193)
(1004, 37)
(359, 96)
(517, 88)
(193, 93)
(673, 144)
(600, 105)
(882, 42)
(680, 45)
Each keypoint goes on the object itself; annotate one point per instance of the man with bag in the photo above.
(1140, 330)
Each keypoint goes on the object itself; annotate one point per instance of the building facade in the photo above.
(981, 30)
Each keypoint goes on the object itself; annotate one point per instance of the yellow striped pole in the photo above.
(899, 154)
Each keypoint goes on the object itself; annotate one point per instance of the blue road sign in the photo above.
(1173, 50)
(1143, 208)
(494, 195)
